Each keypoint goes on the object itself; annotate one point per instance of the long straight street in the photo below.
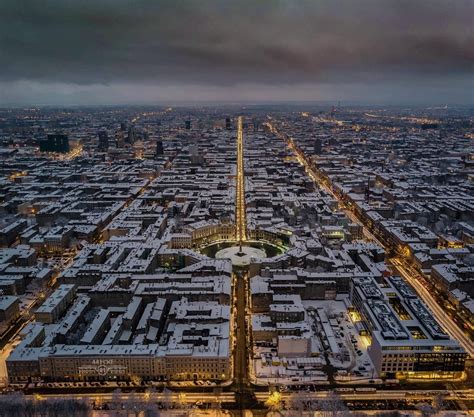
(240, 213)
(377, 395)
(241, 382)
(240, 291)
(168, 396)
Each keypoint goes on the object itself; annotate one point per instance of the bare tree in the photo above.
(437, 403)
(167, 398)
(181, 401)
(217, 405)
(333, 406)
(302, 401)
(151, 410)
(17, 405)
(116, 403)
(136, 379)
(426, 409)
(13, 405)
(393, 413)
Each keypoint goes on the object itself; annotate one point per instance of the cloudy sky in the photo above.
(153, 51)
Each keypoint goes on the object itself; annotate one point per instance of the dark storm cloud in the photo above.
(231, 41)
(226, 43)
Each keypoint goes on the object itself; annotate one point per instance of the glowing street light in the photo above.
(273, 401)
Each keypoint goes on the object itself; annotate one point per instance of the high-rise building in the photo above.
(318, 146)
(119, 139)
(57, 142)
(103, 140)
(255, 125)
(195, 156)
(188, 124)
(367, 190)
(159, 148)
(131, 136)
(228, 123)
